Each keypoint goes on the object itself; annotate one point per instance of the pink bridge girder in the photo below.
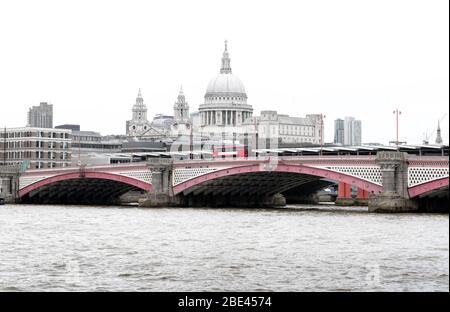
(426, 187)
(86, 175)
(291, 168)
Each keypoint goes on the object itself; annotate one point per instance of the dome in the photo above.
(225, 101)
(225, 84)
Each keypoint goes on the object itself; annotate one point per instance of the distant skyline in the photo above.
(341, 58)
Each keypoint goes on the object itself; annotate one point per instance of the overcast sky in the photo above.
(341, 58)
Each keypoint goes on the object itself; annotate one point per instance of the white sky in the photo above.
(358, 58)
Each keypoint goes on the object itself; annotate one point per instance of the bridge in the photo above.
(389, 181)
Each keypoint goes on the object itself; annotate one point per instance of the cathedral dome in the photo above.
(225, 84)
(225, 101)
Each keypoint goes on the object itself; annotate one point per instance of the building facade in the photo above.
(69, 126)
(36, 147)
(139, 124)
(352, 131)
(280, 128)
(88, 145)
(40, 116)
(339, 131)
(225, 107)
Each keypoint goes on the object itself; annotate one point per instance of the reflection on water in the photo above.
(301, 248)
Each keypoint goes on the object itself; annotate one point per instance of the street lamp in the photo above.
(4, 146)
(191, 141)
(256, 135)
(397, 112)
(322, 116)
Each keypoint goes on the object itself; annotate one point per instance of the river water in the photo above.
(304, 248)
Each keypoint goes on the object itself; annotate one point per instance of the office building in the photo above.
(40, 116)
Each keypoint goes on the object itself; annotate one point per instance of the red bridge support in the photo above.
(344, 195)
(344, 190)
(362, 194)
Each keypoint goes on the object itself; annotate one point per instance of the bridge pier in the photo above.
(394, 197)
(9, 183)
(161, 194)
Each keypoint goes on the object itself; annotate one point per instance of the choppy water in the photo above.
(69, 248)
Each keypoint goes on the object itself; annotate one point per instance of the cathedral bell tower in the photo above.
(181, 108)
(182, 123)
(138, 125)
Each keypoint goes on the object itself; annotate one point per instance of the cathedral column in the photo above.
(218, 118)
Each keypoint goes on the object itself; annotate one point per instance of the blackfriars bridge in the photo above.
(389, 181)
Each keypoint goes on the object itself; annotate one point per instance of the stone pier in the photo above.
(161, 194)
(394, 197)
(9, 183)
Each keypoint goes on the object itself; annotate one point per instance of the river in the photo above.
(302, 248)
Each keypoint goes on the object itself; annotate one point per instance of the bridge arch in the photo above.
(117, 183)
(428, 187)
(319, 173)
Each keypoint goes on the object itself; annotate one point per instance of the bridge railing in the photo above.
(92, 168)
(428, 160)
(275, 158)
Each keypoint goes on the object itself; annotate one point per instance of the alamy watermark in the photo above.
(373, 275)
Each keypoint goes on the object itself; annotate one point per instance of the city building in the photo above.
(69, 126)
(86, 145)
(352, 131)
(280, 128)
(225, 107)
(40, 116)
(138, 125)
(86, 142)
(347, 131)
(36, 147)
(142, 147)
(339, 131)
